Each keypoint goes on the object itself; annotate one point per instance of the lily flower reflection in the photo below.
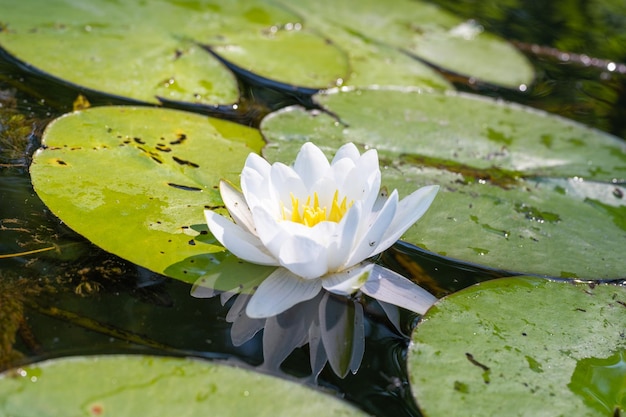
(318, 222)
(333, 327)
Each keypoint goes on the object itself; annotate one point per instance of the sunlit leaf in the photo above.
(146, 51)
(136, 181)
(130, 49)
(521, 190)
(522, 346)
(428, 32)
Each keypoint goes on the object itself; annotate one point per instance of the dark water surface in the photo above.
(71, 298)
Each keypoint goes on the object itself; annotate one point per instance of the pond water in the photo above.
(65, 296)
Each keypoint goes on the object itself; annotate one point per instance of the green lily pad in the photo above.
(295, 57)
(123, 49)
(375, 63)
(430, 33)
(123, 385)
(145, 51)
(135, 181)
(522, 346)
(521, 190)
(371, 62)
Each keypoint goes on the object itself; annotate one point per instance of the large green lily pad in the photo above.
(125, 49)
(135, 181)
(522, 346)
(122, 385)
(295, 57)
(147, 50)
(521, 190)
(427, 32)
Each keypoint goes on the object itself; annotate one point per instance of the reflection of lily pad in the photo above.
(135, 181)
(521, 190)
(142, 385)
(522, 346)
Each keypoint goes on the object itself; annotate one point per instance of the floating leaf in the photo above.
(135, 181)
(155, 51)
(150, 51)
(294, 57)
(122, 385)
(128, 49)
(431, 34)
(526, 346)
(370, 62)
(521, 190)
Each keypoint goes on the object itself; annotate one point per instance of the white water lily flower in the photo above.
(318, 221)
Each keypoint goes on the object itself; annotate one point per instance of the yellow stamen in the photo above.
(295, 212)
(313, 214)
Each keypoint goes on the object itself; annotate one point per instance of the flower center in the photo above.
(311, 214)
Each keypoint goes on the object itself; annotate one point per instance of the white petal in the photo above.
(280, 291)
(363, 182)
(274, 233)
(311, 164)
(304, 257)
(285, 182)
(325, 188)
(268, 230)
(241, 243)
(349, 281)
(339, 250)
(255, 180)
(237, 206)
(410, 209)
(349, 151)
(258, 164)
(390, 287)
(372, 237)
(381, 198)
(339, 171)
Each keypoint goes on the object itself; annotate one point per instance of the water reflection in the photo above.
(332, 326)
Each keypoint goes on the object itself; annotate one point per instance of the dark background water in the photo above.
(76, 299)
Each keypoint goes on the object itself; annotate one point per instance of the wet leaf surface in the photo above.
(521, 190)
(429, 33)
(135, 385)
(136, 181)
(529, 343)
(159, 51)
